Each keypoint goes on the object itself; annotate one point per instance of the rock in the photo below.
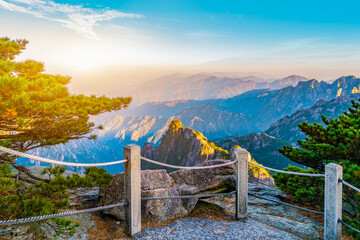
(214, 179)
(304, 230)
(85, 197)
(113, 193)
(181, 146)
(205, 229)
(155, 183)
(16, 232)
(273, 214)
(152, 179)
(161, 210)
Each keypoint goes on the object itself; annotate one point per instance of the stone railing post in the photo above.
(333, 201)
(241, 168)
(132, 174)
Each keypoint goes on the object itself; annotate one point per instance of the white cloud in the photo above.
(74, 17)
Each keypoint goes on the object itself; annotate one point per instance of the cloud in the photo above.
(75, 17)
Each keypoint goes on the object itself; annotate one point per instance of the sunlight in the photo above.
(82, 65)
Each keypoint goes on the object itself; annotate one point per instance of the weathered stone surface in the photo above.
(180, 146)
(84, 197)
(204, 180)
(113, 193)
(161, 210)
(305, 230)
(153, 179)
(273, 214)
(206, 228)
(156, 183)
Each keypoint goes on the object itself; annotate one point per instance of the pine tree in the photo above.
(37, 110)
(337, 141)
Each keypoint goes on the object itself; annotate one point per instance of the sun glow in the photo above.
(82, 66)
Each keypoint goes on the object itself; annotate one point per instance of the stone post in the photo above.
(333, 201)
(132, 174)
(241, 168)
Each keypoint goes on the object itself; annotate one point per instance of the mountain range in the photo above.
(262, 107)
(263, 110)
(201, 86)
(287, 127)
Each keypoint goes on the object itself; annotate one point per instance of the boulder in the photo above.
(156, 183)
(162, 210)
(206, 180)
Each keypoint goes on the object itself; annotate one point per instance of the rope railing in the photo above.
(349, 185)
(41, 159)
(182, 167)
(63, 214)
(188, 196)
(241, 187)
(286, 204)
(287, 172)
(348, 226)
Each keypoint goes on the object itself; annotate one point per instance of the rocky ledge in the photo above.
(267, 220)
(156, 183)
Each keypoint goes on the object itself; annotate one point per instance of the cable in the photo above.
(349, 185)
(347, 225)
(25, 155)
(188, 196)
(286, 204)
(63, 214)
(286, 172)
(181, 167)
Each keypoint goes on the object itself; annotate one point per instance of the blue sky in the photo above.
(312, 38)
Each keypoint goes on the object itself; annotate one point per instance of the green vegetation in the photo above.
(258, 144)
(37, 110)
(28, 199)
(337, 141)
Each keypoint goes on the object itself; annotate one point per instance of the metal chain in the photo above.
(286, 172)
(347, 225)
(188, 196)
(286, 204)
(25, 155)
(181, 167)
(349, 185)
(63, 214)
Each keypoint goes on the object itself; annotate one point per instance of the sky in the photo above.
(112, 44)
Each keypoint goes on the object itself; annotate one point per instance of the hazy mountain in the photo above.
(253, 111)
(287, 127)
(200, 86)
(119, 131)
(263, 106)
(290, 99)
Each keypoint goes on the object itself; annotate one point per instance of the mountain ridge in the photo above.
(201, 86)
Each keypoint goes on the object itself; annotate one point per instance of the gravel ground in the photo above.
(204, 228)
